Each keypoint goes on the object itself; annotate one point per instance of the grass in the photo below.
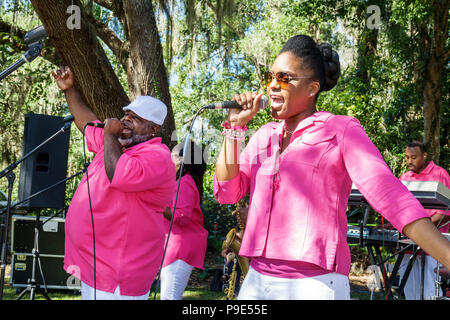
(10, 293)
(191, 293)
(198, 289)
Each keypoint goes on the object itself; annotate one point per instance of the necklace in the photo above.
(290, 132)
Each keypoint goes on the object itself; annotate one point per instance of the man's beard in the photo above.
(133, 140)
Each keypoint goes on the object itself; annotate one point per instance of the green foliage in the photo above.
(31, 88)
(389, 106)
(221, 48)
(405, 11)
(217, 220)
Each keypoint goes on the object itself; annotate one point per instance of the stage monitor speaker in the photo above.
(47, 166)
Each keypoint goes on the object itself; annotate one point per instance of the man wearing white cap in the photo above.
(131, 181)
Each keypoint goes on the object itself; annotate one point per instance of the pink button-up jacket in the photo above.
(431, 172)
(188, 238)
(128, 220)
(298, 199)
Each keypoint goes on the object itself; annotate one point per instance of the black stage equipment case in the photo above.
(51, 252)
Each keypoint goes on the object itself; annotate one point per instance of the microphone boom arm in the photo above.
(32, 53)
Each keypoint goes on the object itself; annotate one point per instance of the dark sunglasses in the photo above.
(282, 78)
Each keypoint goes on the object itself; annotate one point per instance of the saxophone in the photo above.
(231, 283)
(233, 242)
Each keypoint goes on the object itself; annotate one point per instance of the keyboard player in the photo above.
(422, 170)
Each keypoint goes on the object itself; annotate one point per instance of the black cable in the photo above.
(176, 198)
(437, 281)
(158, 282)
(42, 273)
(92, 215)
(443, 216)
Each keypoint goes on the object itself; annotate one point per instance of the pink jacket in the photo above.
(298, 199)
(129, 226)
(431, 172)
(188, 238)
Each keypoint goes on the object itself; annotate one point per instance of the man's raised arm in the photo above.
(77, 107)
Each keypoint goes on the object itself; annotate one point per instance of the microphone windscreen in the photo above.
(68, 118)
(35, 35)
(264, 102)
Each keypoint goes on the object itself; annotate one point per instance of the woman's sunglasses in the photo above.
(282, 78)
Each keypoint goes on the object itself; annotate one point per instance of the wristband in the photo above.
(233, 132)
(228, 126)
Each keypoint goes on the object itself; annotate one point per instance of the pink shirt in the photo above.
(129, 226)
(188, 238)
(431, 172)
(298, 199)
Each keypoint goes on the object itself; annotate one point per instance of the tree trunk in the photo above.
(83, 53)
(146, 72)
(432, 94)
(435, 58)
(367, 41)
(367, 46)
(80, 49)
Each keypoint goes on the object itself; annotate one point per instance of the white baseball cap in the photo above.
(148, 108)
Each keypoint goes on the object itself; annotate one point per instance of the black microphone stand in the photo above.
(8, 171)
(5, 228)
(180, 170)
(33, 285)
(31, 54)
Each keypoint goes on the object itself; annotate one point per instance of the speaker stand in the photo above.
(8, 172)
(5, 231)
(33, 286)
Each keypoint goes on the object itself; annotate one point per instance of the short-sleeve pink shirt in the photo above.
(431, 172)
(128, 220)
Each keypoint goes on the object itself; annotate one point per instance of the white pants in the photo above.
(331, 286)
(412, 287)
(87, 293)
(174, 279)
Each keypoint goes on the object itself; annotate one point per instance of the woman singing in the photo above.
(299, 172)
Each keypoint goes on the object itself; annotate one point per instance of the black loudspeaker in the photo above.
(45, 167)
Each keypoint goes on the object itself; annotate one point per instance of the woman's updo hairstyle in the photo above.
(321, 59)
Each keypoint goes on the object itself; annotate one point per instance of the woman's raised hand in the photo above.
(250, 105)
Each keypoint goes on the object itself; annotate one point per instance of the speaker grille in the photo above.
(47, 166)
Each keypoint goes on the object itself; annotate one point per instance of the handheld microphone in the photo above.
(233, 104)
(96, 124)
